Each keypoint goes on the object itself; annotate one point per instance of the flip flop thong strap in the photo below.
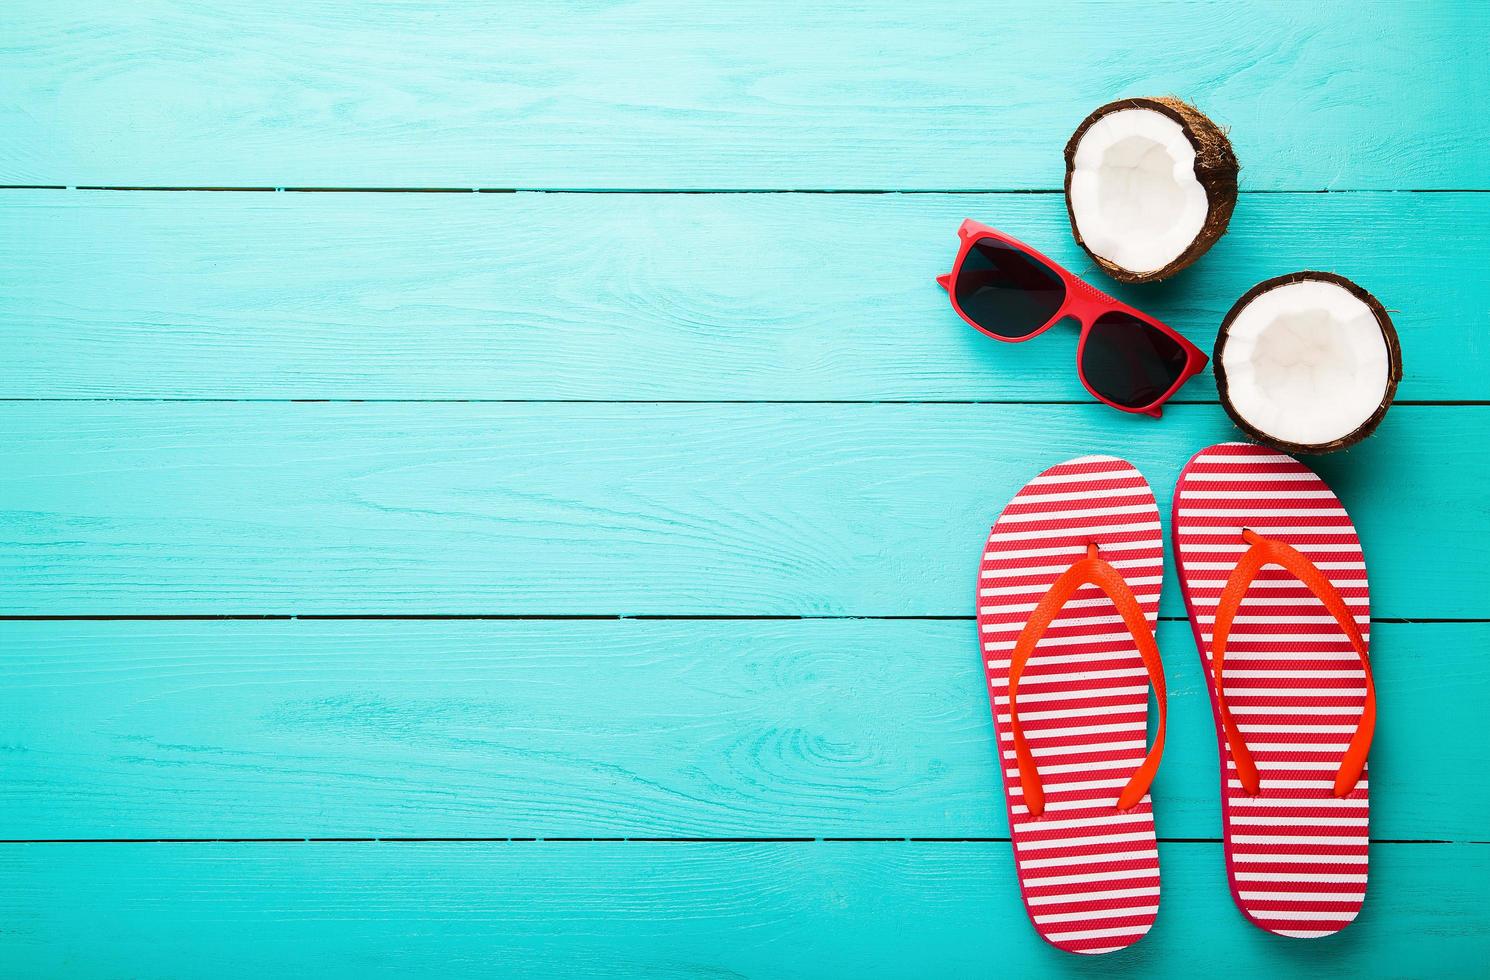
(1263, 552)
(1091, 570)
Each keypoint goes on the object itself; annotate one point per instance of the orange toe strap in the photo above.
(1090, 570)
(1265, 551)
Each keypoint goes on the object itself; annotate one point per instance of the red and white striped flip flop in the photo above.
(1275, 585)
(1068, 595)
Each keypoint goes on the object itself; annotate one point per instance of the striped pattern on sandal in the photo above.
(1089, 873)
(1295, 686)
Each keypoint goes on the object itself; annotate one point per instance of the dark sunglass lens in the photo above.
(1005, 291)
(1130, 362)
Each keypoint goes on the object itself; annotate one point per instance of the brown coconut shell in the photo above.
(1394, 364)
(1215, 167)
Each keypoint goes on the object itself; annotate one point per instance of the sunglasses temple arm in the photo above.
(945, 281)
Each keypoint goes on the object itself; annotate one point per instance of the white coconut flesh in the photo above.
(1135, 198)
(1306, 362)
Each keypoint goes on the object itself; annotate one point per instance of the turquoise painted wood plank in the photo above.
(674, 910)
(619, 297)
(827, 728)
(662, 94)
(188, 508)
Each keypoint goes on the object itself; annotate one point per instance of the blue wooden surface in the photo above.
(700, 296)
(806, 728)
(495, 433)
(882, 95)
(191, 508)
(605, 909)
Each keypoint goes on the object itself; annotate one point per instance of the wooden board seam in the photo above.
(864, 191)
(1385, 841)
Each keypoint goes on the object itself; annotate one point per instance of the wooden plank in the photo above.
(672, 910)
(866, 510)
(836, 728)
(658, 94)
(623, 297)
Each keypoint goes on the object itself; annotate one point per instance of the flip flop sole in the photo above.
(1295, 854)
(1089, 874)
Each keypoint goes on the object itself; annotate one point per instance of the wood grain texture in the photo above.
(624, 297)
(804, 728)
(837, 728)
(654, 94)
(673, 910)
(231, 508)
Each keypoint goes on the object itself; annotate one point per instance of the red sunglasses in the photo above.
(1011, 292)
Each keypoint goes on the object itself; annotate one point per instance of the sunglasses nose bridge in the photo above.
(1085, 302)
(1078, 315)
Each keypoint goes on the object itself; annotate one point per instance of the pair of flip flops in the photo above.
(1274, 583)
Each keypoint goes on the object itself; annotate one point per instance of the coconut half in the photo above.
(1150, 186)
(1307, 362)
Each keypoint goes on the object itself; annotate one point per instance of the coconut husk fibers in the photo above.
(1215, 167)
(1394, 364)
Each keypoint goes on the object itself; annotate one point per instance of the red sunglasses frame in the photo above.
(1083, 302)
